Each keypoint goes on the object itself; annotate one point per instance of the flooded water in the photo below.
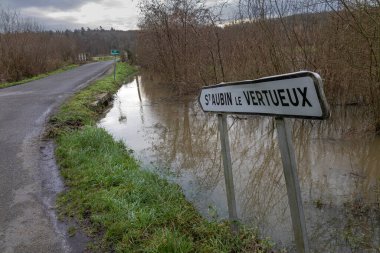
(338, 165)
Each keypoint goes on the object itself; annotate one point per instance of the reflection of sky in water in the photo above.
(339, 166)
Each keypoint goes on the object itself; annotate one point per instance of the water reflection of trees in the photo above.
(338, 163)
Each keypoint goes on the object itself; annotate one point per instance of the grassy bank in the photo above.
(60, 70)
(126, 208)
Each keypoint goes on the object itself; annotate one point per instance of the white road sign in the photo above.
(296, 95)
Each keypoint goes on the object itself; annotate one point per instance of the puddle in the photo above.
(52, 185)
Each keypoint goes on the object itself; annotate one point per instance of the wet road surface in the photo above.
(28, 183)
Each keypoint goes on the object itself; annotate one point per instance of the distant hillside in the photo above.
(100, 41)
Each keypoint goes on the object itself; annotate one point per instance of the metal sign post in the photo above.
(228, 177)
(294, 95)
(114, 68)
(114, 52)
(289, 164)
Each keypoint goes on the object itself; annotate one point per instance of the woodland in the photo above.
(27, 49)
(190, 45)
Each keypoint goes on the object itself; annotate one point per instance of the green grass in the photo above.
(122, 206)
(60, 70)
(134, 210)
(103, 58)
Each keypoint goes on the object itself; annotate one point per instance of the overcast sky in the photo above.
(74, 14)
(71, 14)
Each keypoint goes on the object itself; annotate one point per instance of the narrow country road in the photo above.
(27, 185)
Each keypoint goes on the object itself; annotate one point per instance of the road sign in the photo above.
(298, 95)
(295, 95)
(115, 52)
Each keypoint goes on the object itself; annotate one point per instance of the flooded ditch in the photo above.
(338, 163)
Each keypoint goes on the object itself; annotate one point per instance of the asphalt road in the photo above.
(27, 182)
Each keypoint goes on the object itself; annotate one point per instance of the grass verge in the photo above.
(60, 70)
(103, 58)
(126, 208)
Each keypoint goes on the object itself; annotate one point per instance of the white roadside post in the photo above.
(293, 95)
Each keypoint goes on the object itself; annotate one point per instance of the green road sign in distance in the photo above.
(115, 52)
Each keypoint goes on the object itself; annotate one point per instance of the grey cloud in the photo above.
(54, 24)
(46, 4)
(57, 24)
(126, 23)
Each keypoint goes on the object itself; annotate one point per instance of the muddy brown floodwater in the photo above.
(338, 163)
